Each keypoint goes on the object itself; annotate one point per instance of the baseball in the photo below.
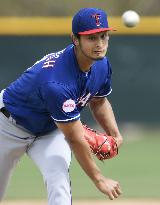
(130, 18)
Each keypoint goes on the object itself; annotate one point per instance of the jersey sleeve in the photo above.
(106, 88)
(60, 102)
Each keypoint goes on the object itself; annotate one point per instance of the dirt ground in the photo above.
(95, 202)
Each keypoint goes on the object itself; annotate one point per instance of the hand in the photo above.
(109, 187)
(102, 145)
(119, 140)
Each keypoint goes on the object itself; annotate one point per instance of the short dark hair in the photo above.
(77, 35)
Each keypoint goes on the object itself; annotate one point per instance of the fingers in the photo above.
(118, 190)
(111, 197)
(115, 192)
(109, 187)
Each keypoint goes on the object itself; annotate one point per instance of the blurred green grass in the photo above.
(137, 168)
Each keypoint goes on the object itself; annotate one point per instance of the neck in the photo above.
(83, 61)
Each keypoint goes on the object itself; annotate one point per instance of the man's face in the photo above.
(94, 46)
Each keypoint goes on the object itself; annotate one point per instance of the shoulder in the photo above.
(49, 60)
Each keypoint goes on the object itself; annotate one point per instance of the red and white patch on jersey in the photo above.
(68, 105)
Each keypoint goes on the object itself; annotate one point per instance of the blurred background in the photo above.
(68, 8)
(33, 28)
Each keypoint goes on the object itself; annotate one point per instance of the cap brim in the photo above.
(96, 30)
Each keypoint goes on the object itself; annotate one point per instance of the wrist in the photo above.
(98, 178)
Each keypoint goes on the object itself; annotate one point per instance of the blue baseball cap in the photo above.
(89, 21)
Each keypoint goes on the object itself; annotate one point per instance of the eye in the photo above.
(92, 38)
(104, 36)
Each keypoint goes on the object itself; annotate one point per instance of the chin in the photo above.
(98, 58)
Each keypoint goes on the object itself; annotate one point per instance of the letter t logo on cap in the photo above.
(97, 18)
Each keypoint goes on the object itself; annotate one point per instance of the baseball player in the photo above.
(40, 111)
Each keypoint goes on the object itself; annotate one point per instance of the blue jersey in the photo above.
(54, 89)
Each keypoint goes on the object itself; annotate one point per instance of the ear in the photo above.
(75, 40)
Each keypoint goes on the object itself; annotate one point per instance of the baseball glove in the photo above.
(103, 146)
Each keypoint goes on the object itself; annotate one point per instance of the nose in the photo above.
(102, 42)
(99, 42)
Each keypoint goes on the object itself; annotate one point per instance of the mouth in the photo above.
(98, 52)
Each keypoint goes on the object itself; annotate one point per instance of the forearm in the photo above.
(85, 158)
(82, 150)
(74, 133)
(103, 113)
